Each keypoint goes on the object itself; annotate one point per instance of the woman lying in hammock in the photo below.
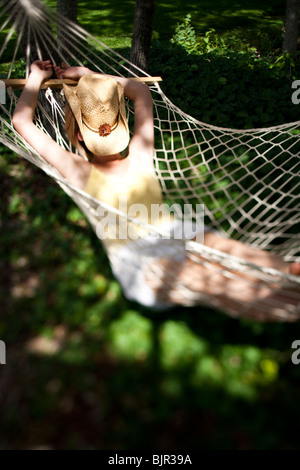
(153, 271)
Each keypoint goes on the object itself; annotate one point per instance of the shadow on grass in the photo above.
(84, 398)
(87, 369)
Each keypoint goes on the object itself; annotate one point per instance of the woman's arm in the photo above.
(74, 168)
(25, 108)
(142, 142)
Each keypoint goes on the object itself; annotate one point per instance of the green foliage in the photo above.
(264, 41)
(19, 69)
(286, 62)
(185, 35)
(235, 79)
(224, 87)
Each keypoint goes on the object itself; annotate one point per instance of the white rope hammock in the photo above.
(248, 180)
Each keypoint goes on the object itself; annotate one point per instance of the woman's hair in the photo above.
(72, 129)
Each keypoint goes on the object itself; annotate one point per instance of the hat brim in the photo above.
(110, 144)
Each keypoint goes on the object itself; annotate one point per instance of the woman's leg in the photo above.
(245, 252)
(193, 282)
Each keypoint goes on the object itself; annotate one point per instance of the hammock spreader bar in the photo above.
(19, 83)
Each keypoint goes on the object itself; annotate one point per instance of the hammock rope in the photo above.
(248, 180)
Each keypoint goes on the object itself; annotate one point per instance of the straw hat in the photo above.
(98, 105)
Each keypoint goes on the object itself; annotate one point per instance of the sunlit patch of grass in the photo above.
(241, 370)
(130, 337)
(115, 19)
(119, 42)
(179, 346)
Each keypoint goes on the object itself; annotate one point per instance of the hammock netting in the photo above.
(247, 180)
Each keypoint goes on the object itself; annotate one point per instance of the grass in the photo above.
(86, 368)
(114, 19)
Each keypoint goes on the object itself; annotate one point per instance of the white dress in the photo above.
(133, 249)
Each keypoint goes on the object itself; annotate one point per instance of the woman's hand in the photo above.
(73, 73)
(42, 69)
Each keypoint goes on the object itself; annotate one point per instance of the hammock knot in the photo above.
(49, 95)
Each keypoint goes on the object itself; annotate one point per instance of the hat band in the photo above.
(104, 129)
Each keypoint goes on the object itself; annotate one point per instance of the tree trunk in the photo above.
(142, 32)
(291, 26)
(67, 8)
